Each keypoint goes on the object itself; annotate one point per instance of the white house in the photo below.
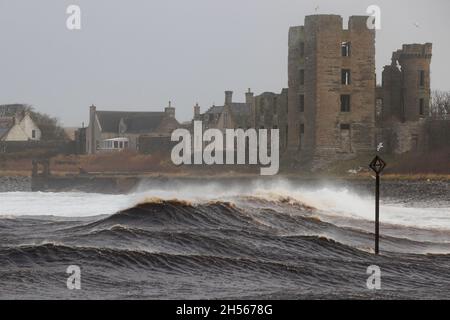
(16, 124)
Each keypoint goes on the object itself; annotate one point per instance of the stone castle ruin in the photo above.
(335, 108)
(332, 108)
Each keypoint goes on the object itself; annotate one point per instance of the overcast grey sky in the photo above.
(138, 54)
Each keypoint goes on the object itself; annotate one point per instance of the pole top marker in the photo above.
(377, 164)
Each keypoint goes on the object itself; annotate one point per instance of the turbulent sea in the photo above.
(209, 240)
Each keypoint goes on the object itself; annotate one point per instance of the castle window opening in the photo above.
(345, 103)
(345, 77)
(421, 78)
(421, 106)
(379, 108)
(345, 48)
(302, 77)
(301, 103)
(414, 142)
(302, 133)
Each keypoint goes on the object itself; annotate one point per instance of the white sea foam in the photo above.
(330, 200)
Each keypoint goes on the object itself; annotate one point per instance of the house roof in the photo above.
(240, 111)
(215, 110)
(6, 124)
(135, 122)
(239, 108)
(3, 131)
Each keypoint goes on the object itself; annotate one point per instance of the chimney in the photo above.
(170, 111)
(196, 111)
(228, 97)
(249, 96)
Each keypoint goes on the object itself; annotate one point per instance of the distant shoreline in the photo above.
(225, 175)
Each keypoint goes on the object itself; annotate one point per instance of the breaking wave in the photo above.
(268, 242)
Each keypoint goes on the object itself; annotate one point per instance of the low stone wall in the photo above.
(51, 147)
(419, 136)
(14, 184)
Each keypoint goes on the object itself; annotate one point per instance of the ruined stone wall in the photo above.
(271, 113)
(402, 137)
(438, 135)
(296, 62)
(401, 83)
(161, 145)
(403, 125)
(392, 94)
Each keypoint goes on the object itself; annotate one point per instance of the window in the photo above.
(116, 144)
(421, 106)
(414, 142)
(302, 132)
(345, 77)
(421, 78)
(302, 49)
(345, 137)
(345, 49)
(379, 108)
(302, 77)
(33, 134)
(301, 103)
(345, 103)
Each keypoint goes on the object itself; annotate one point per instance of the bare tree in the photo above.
(440, 104)
(49, 126)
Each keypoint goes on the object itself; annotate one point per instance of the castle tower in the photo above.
(331, 97)
(415, 60)
(406, 83)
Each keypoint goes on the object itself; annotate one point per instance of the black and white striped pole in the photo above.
(377, 165)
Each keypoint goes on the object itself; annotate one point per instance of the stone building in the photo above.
(232, 115)
(403, 100)
(331, 95)
(270, 112)
(118, 130)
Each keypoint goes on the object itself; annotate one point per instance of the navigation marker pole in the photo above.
(377, 165)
